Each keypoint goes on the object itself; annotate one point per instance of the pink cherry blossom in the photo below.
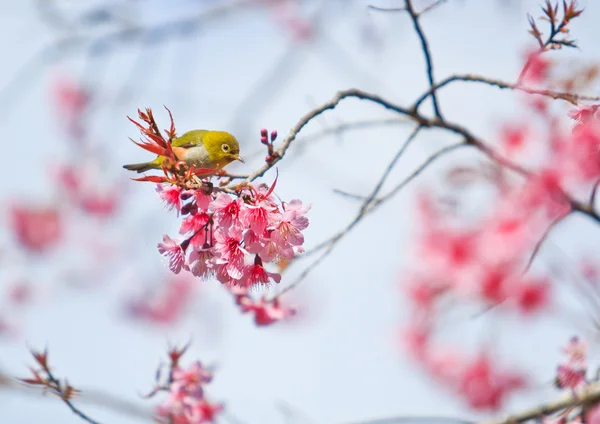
(194, 223)
(229, 247)
(266, 312)
(171, 195)
(36, 229)
(174, 252)
(583, 114)
(484, 387)
(256, 274)
(202, 200)
(193, 378)
(202, 412)
(201, 261)
(226, 209)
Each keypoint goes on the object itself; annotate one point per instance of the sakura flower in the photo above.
(193, 378)
(228, 246)
(202, 200)
(293, 221)
(194, 223)
(256, 216)
(171, 195)
(174, 252)
(202, 412)
(266, 312)
(537, 68)
(256, 274)
(226, 209)
(253, 242)
(36, 229)
(484, 387)
(583, 114)
(201, 261)
(167, 306)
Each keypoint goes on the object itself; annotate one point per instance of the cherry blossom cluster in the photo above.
(186, 402)
(230, 234)
(488, 260)
(231, 237)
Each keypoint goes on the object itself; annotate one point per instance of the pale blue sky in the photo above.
(342, 364)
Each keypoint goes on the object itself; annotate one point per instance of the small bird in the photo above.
(201, 148)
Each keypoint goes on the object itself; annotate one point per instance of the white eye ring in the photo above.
(225, 147)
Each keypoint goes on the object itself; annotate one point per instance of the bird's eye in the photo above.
(225, 147)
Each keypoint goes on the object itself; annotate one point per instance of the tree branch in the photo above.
(370, 204)
(581, 397)
(568, 97)
(425, 47)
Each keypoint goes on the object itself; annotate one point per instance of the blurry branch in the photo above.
(90, 397)
(426, 52)
(585, 396)
(403, 9)
(44, 379)
(376, 202)
(422, 122)
(104, 43)
(541, 241)
(369, 205)
(572, 98)
(416, 420)
(337, 130)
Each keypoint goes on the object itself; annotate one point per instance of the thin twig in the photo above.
(431, 7)
(63, 396)
(359, 216)
(541, 241)
(425, 47)
(386, 9)
(419, 170)
(330, 244)
(333, 130)
(572, 98)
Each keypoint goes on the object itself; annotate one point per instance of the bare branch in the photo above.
(431, 6)
(419, 170)
(369, 205)
(572, 98)
(387, 9)
(581, 397)
(425, 47)
(361, 213)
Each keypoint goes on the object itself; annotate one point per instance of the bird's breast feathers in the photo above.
(197, 155)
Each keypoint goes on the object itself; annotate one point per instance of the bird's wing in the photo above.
(189, 139)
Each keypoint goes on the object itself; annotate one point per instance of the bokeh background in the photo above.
(242, 66)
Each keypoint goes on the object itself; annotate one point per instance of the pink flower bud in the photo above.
(264, 140)
(273, 136)
(264, 133)
(269, 158)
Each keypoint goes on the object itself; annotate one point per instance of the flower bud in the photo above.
(269, 158)
(273, 136)
(264, 132)
(264, 140)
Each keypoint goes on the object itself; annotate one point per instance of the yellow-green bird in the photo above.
(201, 148)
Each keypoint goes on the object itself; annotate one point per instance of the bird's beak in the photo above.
(237, 157)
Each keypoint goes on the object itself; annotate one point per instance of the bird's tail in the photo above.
(145, 166)
(141, 167)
